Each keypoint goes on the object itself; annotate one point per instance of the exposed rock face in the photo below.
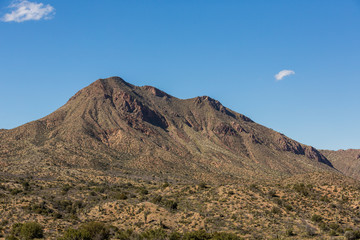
(113, 125)
(287, 144)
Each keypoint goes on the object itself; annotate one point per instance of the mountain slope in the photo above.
(117, 127)
(346, 161)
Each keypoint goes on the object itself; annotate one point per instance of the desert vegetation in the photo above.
(308, 206)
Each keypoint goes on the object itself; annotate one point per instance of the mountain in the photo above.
(134, 162)
(115, 127)
(346, 161)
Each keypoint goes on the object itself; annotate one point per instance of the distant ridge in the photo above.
(346, 161)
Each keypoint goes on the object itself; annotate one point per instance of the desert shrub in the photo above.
(350, 235)
(15, 191)
(121, 196)
(288, 207)
(4, 222)
(26, 185)
(272, 194)
(154, 234)
(202, 185)
(224, 236)
(230, 193)
(289, 232)
(31, 230)
(334, 226)
(310, 231)
(333, 232)
(171, 204)
(101, 189)
(40, 209)
(303, 189)
(278, 201)
(75, 234)
(156, 199)
(88, 231)
(126, 234)
(97, 230)
(325, 199)
(68, 206)
(275, 210)
(324, 227)
(56, 215)
(11, 237)
(26, 231)
(316, 218)
(144, 191)
(254, 187)
(175, 236)
(197, 235)
(165, 185)
(16, 228)
(65, 189)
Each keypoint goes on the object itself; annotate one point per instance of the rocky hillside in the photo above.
(115, 127)
(346, 161)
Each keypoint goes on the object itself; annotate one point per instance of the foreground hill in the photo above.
(120, 128)
(309, 206)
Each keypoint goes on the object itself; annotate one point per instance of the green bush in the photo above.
(28, 230)
(26, 185)
(97, 230)
(121, 196)
(290, 232)
(126, 234)
(40, 209)
(303, 189)
(316, 218)
(144, 191)
(11, 237)
(15, 191)
(16, 228)
(155, 234)
(156, 199)
(275, 210)
(65, 188)
(75, 234)
(88, 231)
(171, 204)
(197, 235)
(68, 206)
(350, 235)
(224, 236)
(175, 236)
(202, 185)
(272, 193)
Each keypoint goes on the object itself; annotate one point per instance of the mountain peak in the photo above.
(154, 91)
(116, 125)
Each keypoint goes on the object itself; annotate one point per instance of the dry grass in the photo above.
(289, 209)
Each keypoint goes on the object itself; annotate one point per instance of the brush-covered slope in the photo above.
(120, 128)
(346, 161)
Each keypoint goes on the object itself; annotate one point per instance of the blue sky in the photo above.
(229, 50)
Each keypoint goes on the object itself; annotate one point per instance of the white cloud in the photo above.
(283, 74)
(24, 10)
